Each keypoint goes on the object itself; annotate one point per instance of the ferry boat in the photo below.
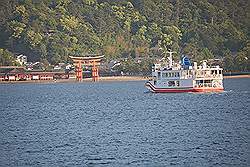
(170, 77)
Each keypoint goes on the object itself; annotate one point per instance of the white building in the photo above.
(22, 59)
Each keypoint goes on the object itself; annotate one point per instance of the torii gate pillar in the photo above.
(95, 72)
(79, 71)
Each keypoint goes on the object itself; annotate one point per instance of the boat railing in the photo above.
(202, 85)
(186, 76)
(205, 85)
(209, 76)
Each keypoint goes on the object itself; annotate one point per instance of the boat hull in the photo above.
(154, 89)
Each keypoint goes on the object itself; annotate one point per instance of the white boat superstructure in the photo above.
(184, 77)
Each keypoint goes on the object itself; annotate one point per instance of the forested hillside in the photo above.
(51, 30)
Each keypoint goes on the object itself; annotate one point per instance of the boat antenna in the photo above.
(166, 51)
(170, 58)
(170, 52)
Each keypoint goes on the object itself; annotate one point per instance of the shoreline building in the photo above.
(22, 59)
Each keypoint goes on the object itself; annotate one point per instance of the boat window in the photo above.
(178, 74)
(159, 74)
(177, 83)
(220, 71)
(207, 81)
(164, 75)
(171, 83)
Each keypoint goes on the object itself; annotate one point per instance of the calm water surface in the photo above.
(121, 124)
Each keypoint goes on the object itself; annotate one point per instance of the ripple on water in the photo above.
(121, 124)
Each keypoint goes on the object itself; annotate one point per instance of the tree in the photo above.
(7, 58)
(52, 30)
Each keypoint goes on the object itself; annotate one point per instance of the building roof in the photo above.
(11, 70)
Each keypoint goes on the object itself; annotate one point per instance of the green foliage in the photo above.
(16, 28)
(33, 38)
(69, 23)
(131, 67)
(7, 58)
(52, 30)
(228, 60)
(89, 2)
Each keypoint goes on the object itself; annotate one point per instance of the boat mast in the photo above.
(170, 58)
(167, 51)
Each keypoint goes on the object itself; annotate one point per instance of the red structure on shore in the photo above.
(11, 73)
(16, 73)
(92, 61)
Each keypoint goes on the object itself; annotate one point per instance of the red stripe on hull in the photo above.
(181, 90)
(207, 89)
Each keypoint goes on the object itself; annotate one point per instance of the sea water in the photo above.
(122, 124)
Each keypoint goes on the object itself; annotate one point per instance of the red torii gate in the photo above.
(93, 61)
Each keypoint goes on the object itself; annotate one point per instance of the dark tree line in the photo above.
(51, 30)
